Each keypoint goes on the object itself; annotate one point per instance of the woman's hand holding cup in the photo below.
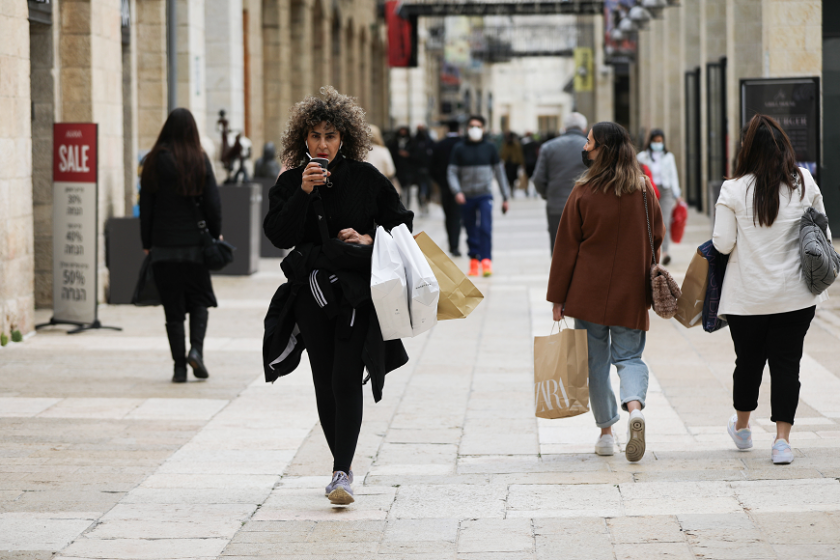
(313, 176)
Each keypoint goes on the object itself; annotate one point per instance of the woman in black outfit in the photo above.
(331, 306)
(177, 190)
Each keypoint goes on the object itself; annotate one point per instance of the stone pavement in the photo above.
(102, 457)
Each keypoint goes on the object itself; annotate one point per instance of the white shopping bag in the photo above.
(423, 289)
(388, 287)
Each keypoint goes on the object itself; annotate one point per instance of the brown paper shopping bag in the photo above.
(690, 303)
(458, 296)
(561, 374)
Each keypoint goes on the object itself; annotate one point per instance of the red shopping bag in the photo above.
(678, 219)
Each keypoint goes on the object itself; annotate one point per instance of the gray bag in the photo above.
(820, 262)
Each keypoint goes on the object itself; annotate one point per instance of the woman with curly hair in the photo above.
(330, 218)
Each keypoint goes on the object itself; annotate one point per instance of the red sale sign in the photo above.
(74, 152)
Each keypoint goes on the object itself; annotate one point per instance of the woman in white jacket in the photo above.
(663, 168)
(764, 297)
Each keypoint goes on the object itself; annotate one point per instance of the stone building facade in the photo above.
(124, 64)
(739, 38)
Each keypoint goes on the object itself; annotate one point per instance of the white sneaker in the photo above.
(605, 446)
(742, 437)
(782, 454)
(635, 448)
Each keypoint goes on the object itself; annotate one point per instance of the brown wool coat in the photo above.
(602, 258)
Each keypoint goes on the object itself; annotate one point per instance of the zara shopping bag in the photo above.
(423, 289)
(388, 287)
(458, 296)
(561, 374)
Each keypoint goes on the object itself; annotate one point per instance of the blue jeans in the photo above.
(477, 214)
(620, 346)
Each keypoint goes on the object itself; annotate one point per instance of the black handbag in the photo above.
(146, 292)
(217, 253)
(342, 255)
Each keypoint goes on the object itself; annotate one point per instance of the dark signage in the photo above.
(795, 104)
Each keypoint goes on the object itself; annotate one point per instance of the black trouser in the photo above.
(553, 226)
(777, 339)
(335, 355)
(452, 211)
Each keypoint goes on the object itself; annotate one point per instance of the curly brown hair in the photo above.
(339, 110)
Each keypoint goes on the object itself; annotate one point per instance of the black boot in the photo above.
(175, 332)
(198, 327)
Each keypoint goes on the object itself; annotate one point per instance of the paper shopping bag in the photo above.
(690, 303)
(561, 374)
(458, 296)
(423, 289)
(388, 287)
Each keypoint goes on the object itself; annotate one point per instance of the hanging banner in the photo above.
(795, 104)
(75, 223)
(583, 69)
(402, 37)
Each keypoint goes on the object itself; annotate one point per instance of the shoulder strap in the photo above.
(647, 219)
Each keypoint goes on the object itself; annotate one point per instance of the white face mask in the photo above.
(475, 133)
(657, 146)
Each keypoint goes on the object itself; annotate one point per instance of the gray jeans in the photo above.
(666, 203)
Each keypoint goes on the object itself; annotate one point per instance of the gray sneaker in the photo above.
(341, 493)
(331, 486)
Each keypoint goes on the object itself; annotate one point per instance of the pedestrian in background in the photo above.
(380, 157)
(177, 191)
(764, 296)
(441, 152)
(600, 275)
(400, 147)
(511, 154)
(421, 156)
(531, 152)
(472, 166)
(331, 305)
(663, 167)
(267, 167)
(559, 165)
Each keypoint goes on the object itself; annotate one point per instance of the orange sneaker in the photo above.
(473, 267)
(487, 267)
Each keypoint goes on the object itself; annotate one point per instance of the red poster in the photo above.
(399, 36)
(74, 152)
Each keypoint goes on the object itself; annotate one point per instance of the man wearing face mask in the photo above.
(472, 165)
(663, 167)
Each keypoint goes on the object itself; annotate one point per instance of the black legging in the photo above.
(335, 355)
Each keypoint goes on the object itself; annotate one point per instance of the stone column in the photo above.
(17, 302)
(256, 120)
(743, 60)
(712, 47)
(674, 103)
(364, 85)
(192, 61)
(42, 61)
(301, 60)
(339, 49)
(225, 65)
(90, 49)
(603, 79)
(351, 60)
(321, 46)
(151, 71)
(689, 30)
(271, 71)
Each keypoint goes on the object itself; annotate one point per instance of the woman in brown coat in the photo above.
(600, 275)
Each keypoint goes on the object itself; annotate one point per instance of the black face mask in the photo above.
(586, 161)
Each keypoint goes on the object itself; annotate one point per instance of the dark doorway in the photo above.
(830, 172)
(693, 173)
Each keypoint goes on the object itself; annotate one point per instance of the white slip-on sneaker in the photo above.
(782, 454)
(331, 486)
(635, 448)
(605, 446)
(742, 437)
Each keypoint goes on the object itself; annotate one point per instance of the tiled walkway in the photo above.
(101, 457)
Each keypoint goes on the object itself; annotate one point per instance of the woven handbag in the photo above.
(664, 287)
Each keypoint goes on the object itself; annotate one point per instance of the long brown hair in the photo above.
(616, 166)
(179, 136)
(768, 155)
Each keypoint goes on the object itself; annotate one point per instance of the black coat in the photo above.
(168, 219)
(441, 153)
(362, 199)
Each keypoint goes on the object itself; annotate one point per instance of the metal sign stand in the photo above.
(75, 224)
